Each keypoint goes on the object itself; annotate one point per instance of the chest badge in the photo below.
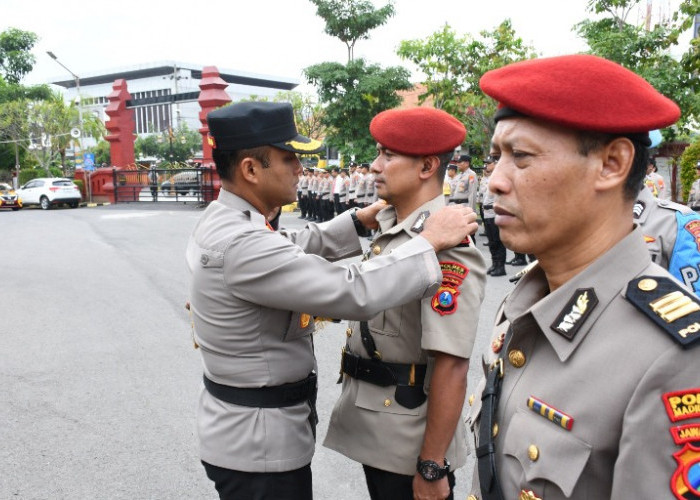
(550, 413)
(575, 313)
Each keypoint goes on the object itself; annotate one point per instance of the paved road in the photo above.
(98, 377)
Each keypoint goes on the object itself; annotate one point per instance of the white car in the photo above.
(48, 191)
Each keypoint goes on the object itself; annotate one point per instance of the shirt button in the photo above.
(472, 497)
(516, 358)
(348, 332)
(494, 430)
(471, 400)
(204, 259)
(533, 452)
(377, 250)
(387, 402)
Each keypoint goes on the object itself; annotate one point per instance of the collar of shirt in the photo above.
(608, 276)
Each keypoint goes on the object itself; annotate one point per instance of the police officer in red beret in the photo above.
(404, 370)
(592, 377)
(253, 304)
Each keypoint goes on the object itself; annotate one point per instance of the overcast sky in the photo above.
(273, 37)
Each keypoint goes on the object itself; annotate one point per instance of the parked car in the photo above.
(9, 198)
(183, 183)
(49, 191)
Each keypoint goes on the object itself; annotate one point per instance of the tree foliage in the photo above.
(351, 20)
(171, 146)
(647, 52)
(353, 94)
(453, 64)
(688, 160)
(16, 59)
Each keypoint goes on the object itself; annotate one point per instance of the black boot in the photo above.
(499, 269)
(490, 269)
(518, 260)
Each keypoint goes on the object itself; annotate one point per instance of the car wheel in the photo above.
(14, 209)
(74, 204)
(45, 203)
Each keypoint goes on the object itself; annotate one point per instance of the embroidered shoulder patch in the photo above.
(693, 227)
(682, 405)
(575, 312)
(445, 299)
(675, 310)
(685, 482)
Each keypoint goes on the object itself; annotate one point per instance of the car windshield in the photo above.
(5, 187)
(62, 182)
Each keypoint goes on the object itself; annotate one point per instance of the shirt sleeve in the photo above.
(262, 267)
(450, 316)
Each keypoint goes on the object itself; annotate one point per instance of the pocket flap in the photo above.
(555, 446)
(382, 399)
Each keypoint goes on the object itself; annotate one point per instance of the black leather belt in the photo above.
(460, 201)
(382, 373)
(278, 396)
(487, 207)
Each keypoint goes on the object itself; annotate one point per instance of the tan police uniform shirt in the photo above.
(367, 424)
(694, 196)
(251, 300)
(466, 188)
(612, 378)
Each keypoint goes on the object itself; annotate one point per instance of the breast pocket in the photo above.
(300, 325)
(545, 451)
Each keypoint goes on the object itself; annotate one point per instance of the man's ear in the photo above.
(249, 169)
(617, 158)
(430, 166)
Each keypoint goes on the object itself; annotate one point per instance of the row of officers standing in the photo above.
(323, 194)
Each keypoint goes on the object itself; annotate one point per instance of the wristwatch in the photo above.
(359, 227)
(431, 471)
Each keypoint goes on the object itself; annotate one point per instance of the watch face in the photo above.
(429, 470)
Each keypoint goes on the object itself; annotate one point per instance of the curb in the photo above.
(84, 204)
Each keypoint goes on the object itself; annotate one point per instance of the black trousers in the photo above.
(237, 485)
(384, 485)
(497, 249)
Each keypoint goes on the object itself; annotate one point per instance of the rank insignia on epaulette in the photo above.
(417, 226)
(575, 312)
(638, 209)
(670, 306)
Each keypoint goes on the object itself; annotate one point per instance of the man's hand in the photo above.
(430, 490)
(449, 226)
(368, 214)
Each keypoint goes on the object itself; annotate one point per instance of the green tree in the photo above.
(16, 59)
(171, 145)
(353, 93)
(647, 52)
(688, 161)
(453, 64)
(351, 20)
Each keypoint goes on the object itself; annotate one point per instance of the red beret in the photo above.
(417, 131)
(582, 92)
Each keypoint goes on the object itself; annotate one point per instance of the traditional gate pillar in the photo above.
(121, 125)
(213, 95)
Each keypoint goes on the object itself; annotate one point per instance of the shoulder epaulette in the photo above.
(675, 310)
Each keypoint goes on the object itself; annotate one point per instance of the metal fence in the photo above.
(182, 184)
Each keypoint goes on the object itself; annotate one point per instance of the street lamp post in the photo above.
(80, 113)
